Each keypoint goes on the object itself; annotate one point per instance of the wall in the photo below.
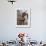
(8, 28)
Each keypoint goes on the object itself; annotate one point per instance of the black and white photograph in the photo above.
(23, 17)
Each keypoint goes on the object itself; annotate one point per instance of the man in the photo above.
(25, 16)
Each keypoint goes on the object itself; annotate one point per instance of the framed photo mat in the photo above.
(23, 13)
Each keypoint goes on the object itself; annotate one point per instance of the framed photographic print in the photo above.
(23, 17)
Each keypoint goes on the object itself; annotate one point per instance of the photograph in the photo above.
(22, 22)
(23, 17)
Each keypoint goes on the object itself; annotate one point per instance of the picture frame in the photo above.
(23, 17)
